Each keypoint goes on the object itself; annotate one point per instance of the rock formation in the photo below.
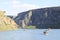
(41, 18)
(6, 23)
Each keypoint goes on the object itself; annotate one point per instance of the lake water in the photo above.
(30, 34)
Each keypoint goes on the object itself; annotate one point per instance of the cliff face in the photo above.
(6, 23)
(23, 19)
(41, 18)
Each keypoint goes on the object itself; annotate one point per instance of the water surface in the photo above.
(30, 34)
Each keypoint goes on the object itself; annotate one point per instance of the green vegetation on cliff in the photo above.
(30, 27)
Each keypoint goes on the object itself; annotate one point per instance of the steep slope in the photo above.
(41, 18)
(6, 23)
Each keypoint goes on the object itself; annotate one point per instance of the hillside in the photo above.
(6, 23)
(41, 18)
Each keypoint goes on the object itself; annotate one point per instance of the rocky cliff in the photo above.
(6, 23)
(41, 18)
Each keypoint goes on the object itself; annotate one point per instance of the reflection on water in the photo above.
(30, 34)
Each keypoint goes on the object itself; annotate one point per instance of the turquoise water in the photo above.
(30, 34)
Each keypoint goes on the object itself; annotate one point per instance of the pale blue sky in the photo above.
(13, 7)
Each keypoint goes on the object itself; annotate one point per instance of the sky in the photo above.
(13, 7)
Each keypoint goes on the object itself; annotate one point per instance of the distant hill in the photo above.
(41, 18)
(6, 23)
(10, 16)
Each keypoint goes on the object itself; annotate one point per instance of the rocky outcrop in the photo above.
(6, 23)
(41, 18)
(24, 18)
